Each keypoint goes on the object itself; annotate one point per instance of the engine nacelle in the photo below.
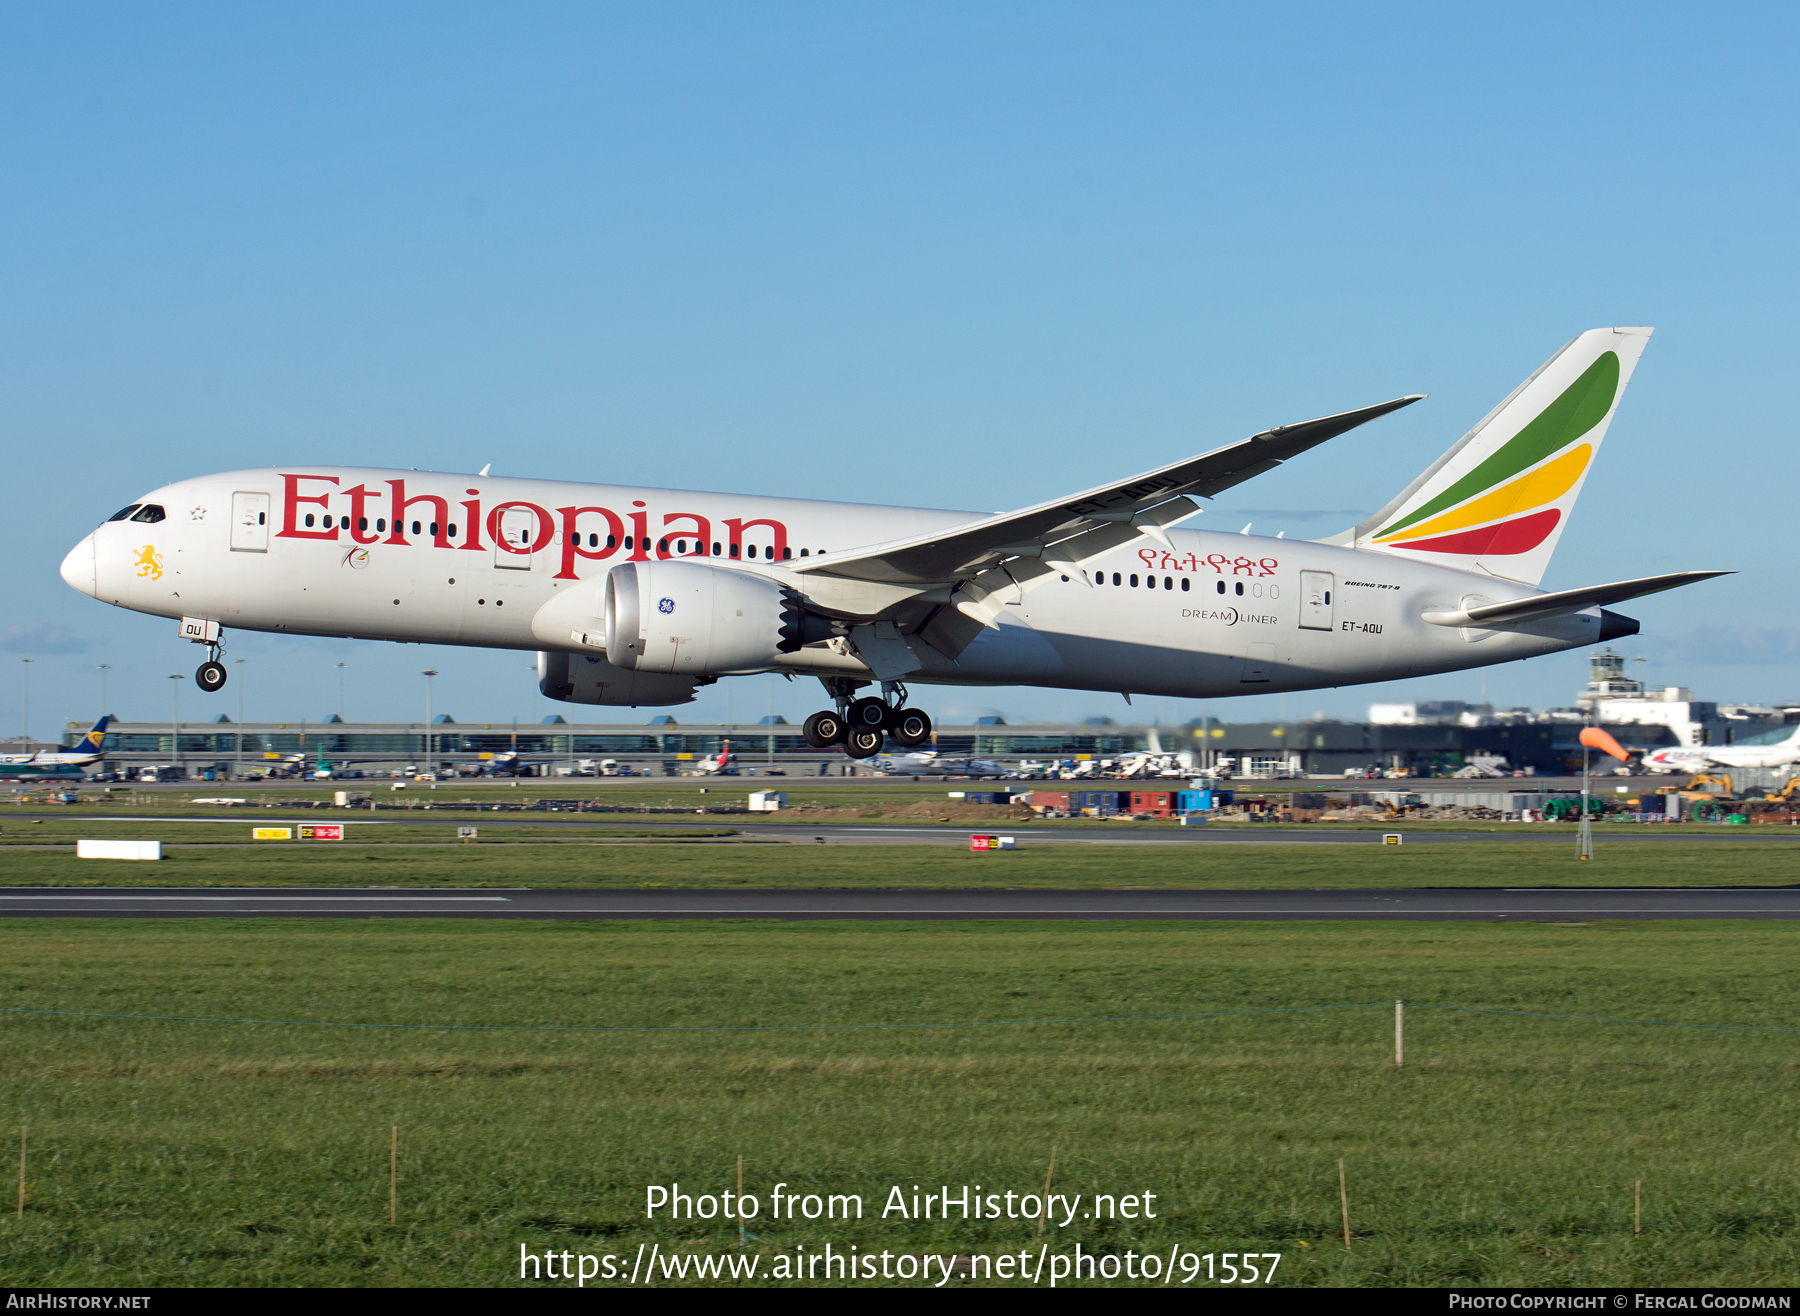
(692, 619)
(579, 679)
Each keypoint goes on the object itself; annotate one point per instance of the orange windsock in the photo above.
(1595, 738)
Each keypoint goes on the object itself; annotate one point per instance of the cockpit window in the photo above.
(149, 513)
(124, 512)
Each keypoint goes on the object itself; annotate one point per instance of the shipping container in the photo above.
(1101, 801)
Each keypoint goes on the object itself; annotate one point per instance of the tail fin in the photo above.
(1498, 500)
(95, 740)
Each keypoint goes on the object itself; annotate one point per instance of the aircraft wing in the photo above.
(1060, 535)
(1568, 600)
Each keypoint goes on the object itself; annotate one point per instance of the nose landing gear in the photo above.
(862, 726)
(210, 676)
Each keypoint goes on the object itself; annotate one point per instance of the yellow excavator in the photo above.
(1715, 785)
(1788, 794)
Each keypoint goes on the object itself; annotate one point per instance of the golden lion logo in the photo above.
(149, 562)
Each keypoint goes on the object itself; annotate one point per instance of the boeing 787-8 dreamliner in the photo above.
(635, 596)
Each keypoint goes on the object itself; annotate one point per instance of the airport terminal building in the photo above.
(664, 745)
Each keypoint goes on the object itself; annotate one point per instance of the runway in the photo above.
(1496, 905)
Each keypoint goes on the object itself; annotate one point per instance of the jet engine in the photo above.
(688, 618)
(578, 679)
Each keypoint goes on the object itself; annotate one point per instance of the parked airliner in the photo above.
(58, 763)
(1769, 747)
(638, 596)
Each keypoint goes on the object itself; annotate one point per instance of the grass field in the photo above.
(1505, 1153)
(720, 863)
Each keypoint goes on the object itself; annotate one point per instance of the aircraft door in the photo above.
(249, 523)
(1315, 600)
(518, 532)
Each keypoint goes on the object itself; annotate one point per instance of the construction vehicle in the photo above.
(1717, 784)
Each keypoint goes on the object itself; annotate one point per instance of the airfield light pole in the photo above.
(340, 672)
(175, 679)
(239, 662)
(103, 669)
(1584, 835)
(428, 673)
(25, 712)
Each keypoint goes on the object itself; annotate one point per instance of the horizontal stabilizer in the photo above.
(1568, 600)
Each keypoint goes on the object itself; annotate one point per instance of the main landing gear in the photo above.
(862, 726)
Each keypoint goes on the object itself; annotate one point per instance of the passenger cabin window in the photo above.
(787, 553)
(123, 512)
(149, 514)
(381, 525)
(1184, 584)
(610, 544)
(1221, 587)
(309, 519)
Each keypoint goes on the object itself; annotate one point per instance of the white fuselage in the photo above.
(1700, 757)
(412, 556)
(47, 758)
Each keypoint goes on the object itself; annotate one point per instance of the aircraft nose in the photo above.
(78, 567)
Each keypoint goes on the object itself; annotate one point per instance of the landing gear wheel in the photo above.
(823, 730)
(210, 677)
(867, 713)
(863, 742)
(908, 727)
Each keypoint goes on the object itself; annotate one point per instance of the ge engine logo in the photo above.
(665, 605)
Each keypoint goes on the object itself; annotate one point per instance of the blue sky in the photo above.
(946, 254)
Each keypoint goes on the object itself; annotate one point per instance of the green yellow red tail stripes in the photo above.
(1499, 499)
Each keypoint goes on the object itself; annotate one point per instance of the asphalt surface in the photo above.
(1461, 904)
